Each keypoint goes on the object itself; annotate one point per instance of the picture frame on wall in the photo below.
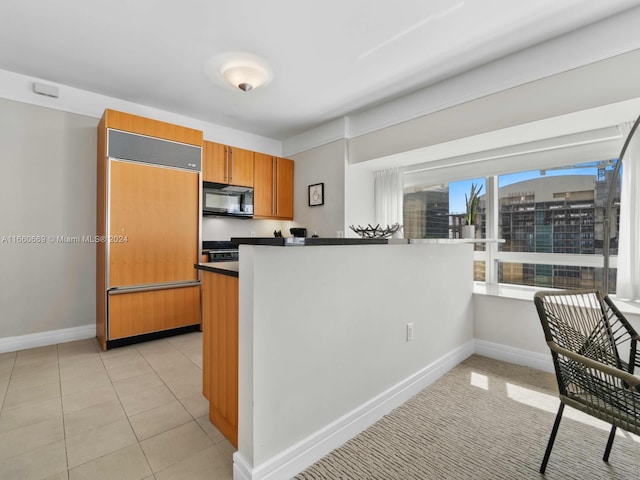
(316, 194)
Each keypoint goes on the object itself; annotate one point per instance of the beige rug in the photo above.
(482, 420)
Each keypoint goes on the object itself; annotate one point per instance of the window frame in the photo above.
(544, 153)
(492, 256)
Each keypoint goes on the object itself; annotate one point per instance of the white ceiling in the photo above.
(329, 58)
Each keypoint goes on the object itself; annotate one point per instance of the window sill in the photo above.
(521, 292)
(517, 292)
(422, 241)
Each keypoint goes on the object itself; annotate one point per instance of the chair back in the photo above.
(580, 321)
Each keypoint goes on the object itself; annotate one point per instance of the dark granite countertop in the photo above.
(223, 268)
(306, 241)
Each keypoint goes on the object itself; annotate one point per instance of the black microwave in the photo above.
(229, 200)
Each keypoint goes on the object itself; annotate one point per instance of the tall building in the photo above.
(426, 213)
(556, 214)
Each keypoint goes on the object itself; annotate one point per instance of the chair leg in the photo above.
(609, 443)
(552, 439)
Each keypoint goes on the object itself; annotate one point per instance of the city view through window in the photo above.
(556, 211)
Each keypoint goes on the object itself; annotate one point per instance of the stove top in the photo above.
(218, 245)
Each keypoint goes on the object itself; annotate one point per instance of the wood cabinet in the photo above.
(220, 351)
(225, 164)
(147, 221)
(273, 187)
(154, 211)
(152, 128)
(137, 313)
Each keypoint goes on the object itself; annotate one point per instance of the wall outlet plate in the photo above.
(409, 331)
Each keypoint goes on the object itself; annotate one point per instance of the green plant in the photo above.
(472, 204)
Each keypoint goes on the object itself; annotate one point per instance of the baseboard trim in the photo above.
(505, 353)
(306, 452)
(241, 469)
(42, 339)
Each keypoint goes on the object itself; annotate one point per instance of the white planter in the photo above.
(468, 231)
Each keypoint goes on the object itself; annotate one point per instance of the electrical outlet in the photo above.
(409, 331)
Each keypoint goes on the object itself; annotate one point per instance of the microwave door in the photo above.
(233, 203)
(221, 202)
(215, 202)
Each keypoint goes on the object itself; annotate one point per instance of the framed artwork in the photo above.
(316, 194)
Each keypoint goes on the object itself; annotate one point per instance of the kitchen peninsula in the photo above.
(329, 337)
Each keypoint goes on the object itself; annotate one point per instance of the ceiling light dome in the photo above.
(238, 70)
(244, 77)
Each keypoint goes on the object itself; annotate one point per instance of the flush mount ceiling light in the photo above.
(238, 70)
(244, 77)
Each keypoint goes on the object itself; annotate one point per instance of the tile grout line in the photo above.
(64, 428)
(139, 443)
(175, 396)
(216, 444)
(59, 355)
(6, 391)
(15, 359)
(184, 406)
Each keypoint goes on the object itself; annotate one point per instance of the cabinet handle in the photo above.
(274, 190)
(230, 165)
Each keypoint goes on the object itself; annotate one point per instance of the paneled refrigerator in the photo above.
(148, 221)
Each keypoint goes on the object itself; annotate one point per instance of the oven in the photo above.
(223, 255)
(219, 251)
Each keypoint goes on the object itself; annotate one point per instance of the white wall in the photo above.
(221, 228)
(414, 121)
(47, 188)
(508, 321)
(323, 331)
(19, 87)
(509, 329)
(359, 202)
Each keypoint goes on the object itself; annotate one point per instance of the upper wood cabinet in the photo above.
(152, 128)
(225, 164)
(273, 187)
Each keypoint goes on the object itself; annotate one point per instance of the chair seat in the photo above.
(628, 420)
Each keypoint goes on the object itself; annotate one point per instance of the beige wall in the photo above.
(324, 164)
(348, 191)
(47, 189)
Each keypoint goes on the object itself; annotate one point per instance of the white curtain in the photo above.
(388, 192)
(628, 276)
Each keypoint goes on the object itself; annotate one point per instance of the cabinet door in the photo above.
(138, 313)
(284, 189)
(240, 166)
(220, 351)
(214, 167)
(263, 177)
(153, 224)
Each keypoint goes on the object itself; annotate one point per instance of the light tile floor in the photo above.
(71, 411)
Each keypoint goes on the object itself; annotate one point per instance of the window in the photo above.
(551, 221)
(437, 211)
(556, 211)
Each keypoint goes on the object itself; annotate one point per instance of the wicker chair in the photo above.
(586, 334)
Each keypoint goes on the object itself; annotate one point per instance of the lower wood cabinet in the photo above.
(137, 313)
(220, 351)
